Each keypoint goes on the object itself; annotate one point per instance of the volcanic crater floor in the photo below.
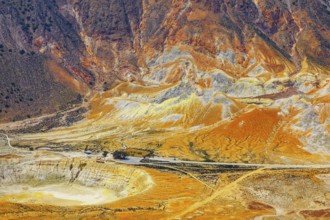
(69, 182)
(49, 185)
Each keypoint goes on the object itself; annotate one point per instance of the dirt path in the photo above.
(191, 175)
(224, 191)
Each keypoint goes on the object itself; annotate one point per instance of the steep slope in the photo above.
(205, 80)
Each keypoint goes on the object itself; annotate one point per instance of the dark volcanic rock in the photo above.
(53, 51)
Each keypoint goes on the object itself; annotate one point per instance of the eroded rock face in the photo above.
(59, 50)
(247, 72)
(96, 183)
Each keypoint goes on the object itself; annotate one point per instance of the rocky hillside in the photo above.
(227, 76)
(57, 51)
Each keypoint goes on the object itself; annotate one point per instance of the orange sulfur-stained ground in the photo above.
(175, 195)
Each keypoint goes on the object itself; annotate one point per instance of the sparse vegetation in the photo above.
(105, 153)
(119, 155)
(135, 152)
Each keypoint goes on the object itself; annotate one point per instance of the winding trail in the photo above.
(189, 174)
(223, 191)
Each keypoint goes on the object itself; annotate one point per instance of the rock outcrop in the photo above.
(122, 181)
(231, 77)
(58, 51)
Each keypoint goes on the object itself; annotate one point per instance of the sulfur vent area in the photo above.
(164, 109)
(69, 182)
